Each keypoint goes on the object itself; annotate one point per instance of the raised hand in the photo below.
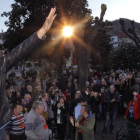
(49, 20)
(47, 24)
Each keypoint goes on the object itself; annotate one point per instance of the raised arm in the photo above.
(30, 43)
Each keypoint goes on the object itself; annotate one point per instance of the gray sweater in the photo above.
(34, 127)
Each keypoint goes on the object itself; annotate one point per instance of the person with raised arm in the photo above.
(9, 60)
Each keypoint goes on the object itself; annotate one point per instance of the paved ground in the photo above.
(98, 136)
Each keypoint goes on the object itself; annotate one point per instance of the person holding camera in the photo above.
(60, 111)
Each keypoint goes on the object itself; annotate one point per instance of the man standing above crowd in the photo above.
(111, 100)
(9, 60)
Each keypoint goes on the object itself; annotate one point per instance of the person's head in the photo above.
(54, 80)
(92, 93)
(48, 78)
(38, 80)
(85, 110)
(77, 96)
(94, 82)
(16, 87)
(69, 84)
(75, 80)
(19, 78)
(8, 92)
(61, 100)
(96, 94)
(123, 77)
(76, 85)
(38, 106)
(30, 78)
(96, 77)
(22, 86)
(11, 87)
(102, 90)
(29, 88)
(110, 78)
(87, 89)
(18, 93)
(27, 96)
(87, 84)
(112, 88)
(78, 92)
(17, 109)
(45, 96)
(67, 90)
(39, 88)
(83, 101)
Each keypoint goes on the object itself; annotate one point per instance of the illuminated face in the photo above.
(18, 109)
(112, 89)
(8, 93)
(27, 97)
(82, 110)
(102, 90)
(61, 100)
(92, 93)
(18, 94)
(40, 110)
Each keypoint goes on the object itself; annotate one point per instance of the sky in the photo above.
(115, 9)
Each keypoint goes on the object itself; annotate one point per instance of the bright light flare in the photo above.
(67, 31)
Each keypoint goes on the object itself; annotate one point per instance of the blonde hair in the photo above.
(27, 95)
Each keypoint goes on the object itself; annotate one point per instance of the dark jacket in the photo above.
(107, 100)
(64, 111)
(6, 63)
(94, 104)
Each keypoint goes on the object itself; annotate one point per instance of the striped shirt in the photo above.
(14, 127)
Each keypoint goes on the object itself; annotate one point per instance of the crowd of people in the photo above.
(42, 101)
(39, 101)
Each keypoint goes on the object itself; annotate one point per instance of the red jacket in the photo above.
(136, 108)
(66, 96)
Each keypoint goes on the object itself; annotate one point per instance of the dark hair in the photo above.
(61, 97)
(112, 85)
(83, 99)
(87, 108)
(15, 105)
(18, 91)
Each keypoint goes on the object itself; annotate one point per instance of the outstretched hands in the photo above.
(47, 24)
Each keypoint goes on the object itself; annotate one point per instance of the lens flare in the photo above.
(67, 31)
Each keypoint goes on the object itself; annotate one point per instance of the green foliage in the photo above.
(26, 17)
